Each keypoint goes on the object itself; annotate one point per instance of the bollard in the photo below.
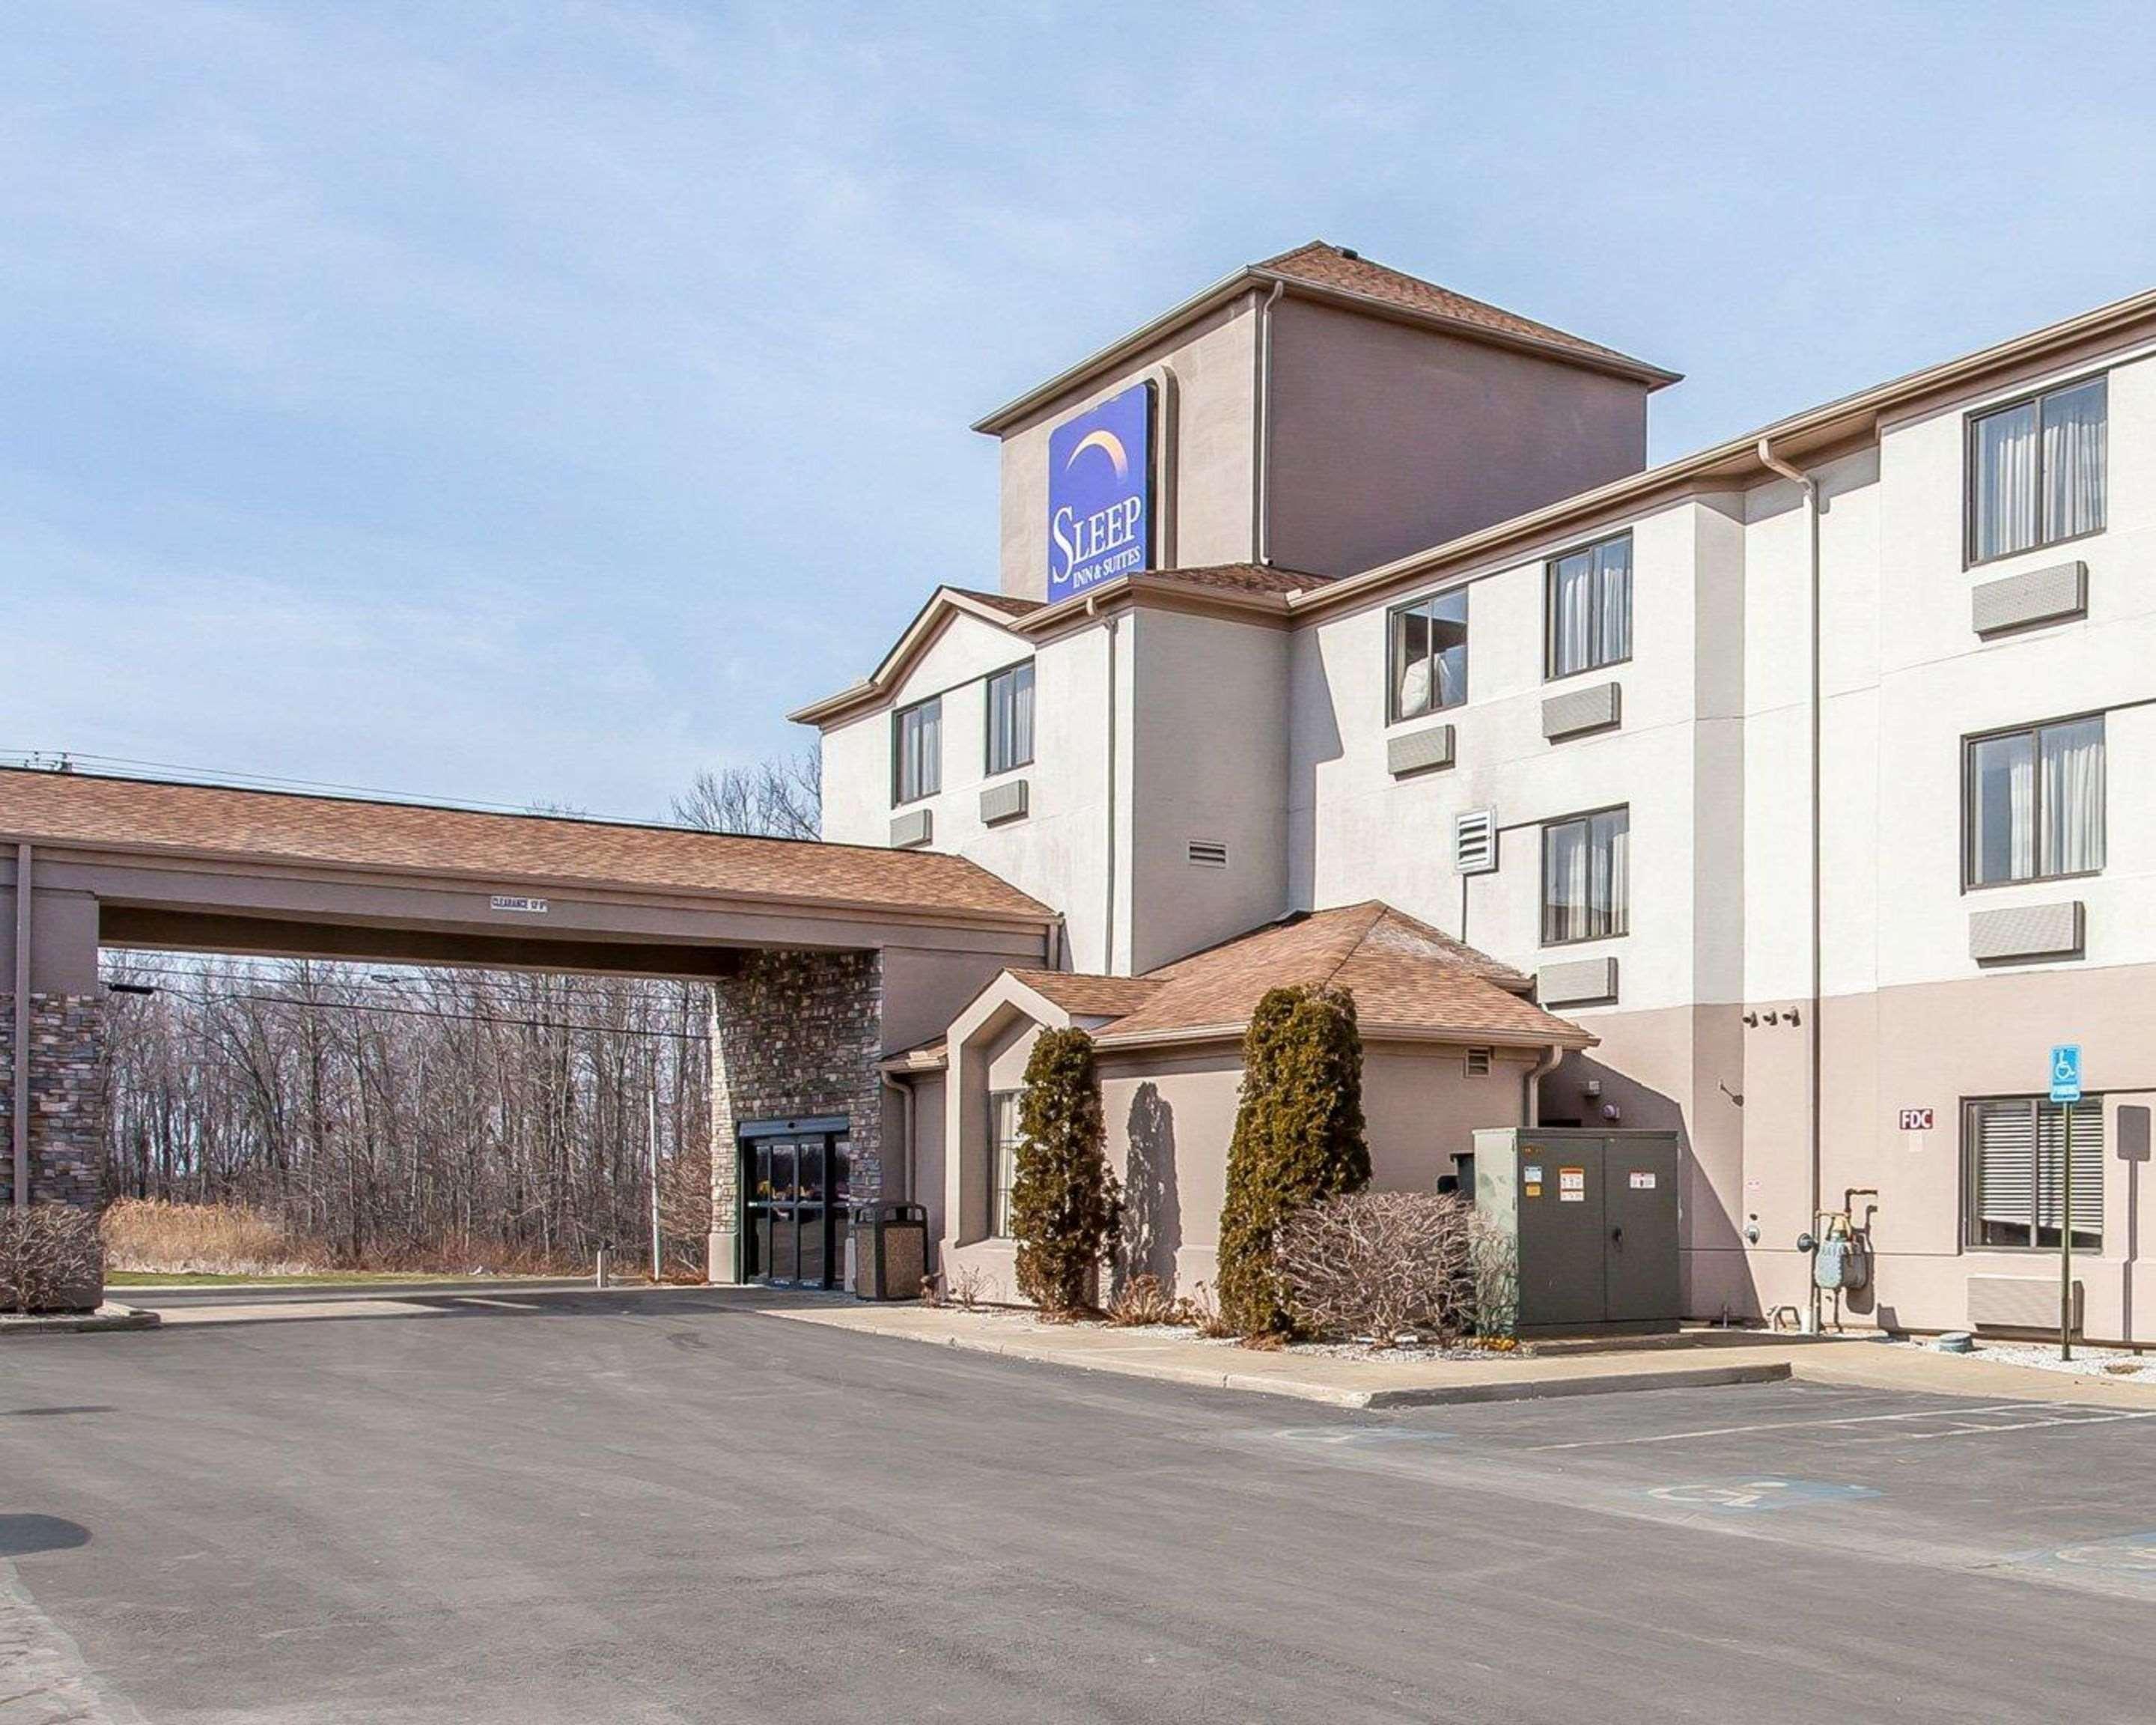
(598, 1272)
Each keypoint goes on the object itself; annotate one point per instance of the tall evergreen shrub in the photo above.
(1298, 1139)
(1066, 1207)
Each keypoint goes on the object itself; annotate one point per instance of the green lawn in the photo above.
(321, 1278)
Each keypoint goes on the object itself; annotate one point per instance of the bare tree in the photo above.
(782, 799)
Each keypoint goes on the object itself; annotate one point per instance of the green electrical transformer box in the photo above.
(1592, 1218)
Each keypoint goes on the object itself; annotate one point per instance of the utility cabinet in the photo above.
(1592, 1216)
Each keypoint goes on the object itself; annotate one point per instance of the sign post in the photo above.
(2066, 1091)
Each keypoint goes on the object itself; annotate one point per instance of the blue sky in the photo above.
(525, 403)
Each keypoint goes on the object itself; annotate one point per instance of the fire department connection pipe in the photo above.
(1809, 486)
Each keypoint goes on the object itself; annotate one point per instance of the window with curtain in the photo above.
(917, 752)
(1010, 718)
(2036, 471)
(1588, 607)
(1586, 877)
(1003, 1160)
(2015, 1153)
(2034, 805)
(1429, 652)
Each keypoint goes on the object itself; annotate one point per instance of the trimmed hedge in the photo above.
(1298, 1139)
(1066, 1207)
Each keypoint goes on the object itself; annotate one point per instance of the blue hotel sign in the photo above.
(1100, 494)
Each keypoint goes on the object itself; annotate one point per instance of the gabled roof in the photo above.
(86, 810)
(1409, 981)
(1339, 276)
(1001, 610)
(1086, 996)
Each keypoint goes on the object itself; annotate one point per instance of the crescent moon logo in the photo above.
(1109, 444)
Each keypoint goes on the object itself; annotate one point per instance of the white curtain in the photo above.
(1564, 882)
(2074, 421)
(2073, 797)
(1572, 606)
(1612, 847)
(2006, 481)
(1614, 629)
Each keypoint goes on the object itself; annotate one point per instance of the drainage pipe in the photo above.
(19, 1107)
(905, 1093)
(1261, 453)
(1531, 1100)
(1108, 929)
(1809, 486)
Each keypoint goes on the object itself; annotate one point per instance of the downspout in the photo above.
(1809, 486)
(905, 1092)
(1261, 550)
(19, 1106)
(1531, 1101)
(1108, 928)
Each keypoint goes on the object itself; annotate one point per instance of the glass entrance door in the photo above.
(794, 1197)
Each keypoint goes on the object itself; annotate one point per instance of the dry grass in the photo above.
(204, 1239)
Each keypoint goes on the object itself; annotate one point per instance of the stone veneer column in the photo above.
(67, 1092)
(794, 1035)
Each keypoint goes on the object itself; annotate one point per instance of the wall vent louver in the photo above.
(1478, 1063)
(1208, 853)
(1474, 841)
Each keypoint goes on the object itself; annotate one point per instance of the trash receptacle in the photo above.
(890, 1250)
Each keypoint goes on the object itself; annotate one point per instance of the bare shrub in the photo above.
(1143, 1300)
(1200, 1310)
(49, 1259)
(966, 1288)
(1381, 1265)
(204, 1239)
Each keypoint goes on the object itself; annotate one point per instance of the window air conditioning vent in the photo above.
(1478, 1063)
(1208, 853)
(1474, 841)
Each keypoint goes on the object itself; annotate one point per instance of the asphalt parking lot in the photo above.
(585, 1508)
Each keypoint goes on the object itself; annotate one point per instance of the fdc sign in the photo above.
(1100, 494)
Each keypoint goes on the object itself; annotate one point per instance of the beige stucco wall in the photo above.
(1387, 437)
(1206, 500)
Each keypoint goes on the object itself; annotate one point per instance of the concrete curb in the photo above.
(1506, 1388)
(110, 1316)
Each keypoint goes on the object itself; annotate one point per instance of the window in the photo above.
(2015, 1150)
(1428, 655)
(1590, 607)
(1010, 719)
(917, 752)
(1586, 873)
(1003, 1160)
(2033, 803)
(2036, 471)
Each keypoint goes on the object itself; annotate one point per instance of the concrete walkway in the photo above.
(1699, 1358)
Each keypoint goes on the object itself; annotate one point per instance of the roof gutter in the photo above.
(1809, 488)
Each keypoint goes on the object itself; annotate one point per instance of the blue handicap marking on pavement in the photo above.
(1360, 1436)
(1750, 1497)
(2131, 1554)
(2066, 1072)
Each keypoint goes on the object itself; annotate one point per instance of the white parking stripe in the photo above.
(2060, 1412)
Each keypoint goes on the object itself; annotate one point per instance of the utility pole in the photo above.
(651, 1125)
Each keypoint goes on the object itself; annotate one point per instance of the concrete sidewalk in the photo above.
(1703, 1358)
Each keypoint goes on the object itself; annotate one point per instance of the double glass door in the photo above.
(796, 1193)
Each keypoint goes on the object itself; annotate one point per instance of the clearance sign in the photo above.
(1100, 494)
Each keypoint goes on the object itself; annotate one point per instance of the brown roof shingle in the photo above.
(1089, 996)
(90, 808)
(1405, 976)
(1324, 265)
(1011, 604)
